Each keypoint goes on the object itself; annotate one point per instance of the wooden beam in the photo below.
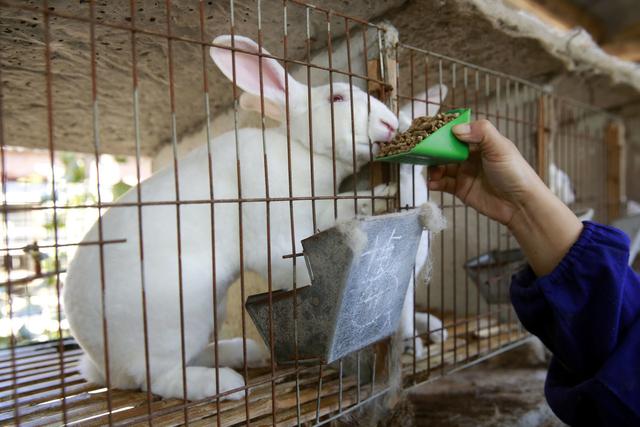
(380, 172)
(625, 44)
(628, 50)
(561, 14)
(614, 141)
(542, 140)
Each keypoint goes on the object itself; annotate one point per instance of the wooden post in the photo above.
(614, 145)
(542, 143)
(380, 172)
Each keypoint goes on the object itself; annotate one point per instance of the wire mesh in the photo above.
(455, 321)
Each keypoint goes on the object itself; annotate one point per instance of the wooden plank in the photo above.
(92, 410)
(40, 403)
(629, 50)
(53, 405)
(70, 363)
(542, 140)
(42, 386)
(614, 143)
(46, 396)
(39, 348)
(380, 172)
(33, 359)
(563, 15)
(625, 44)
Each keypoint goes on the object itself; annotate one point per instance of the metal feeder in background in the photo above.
(630, 225)
(492, 272)
(359, 272)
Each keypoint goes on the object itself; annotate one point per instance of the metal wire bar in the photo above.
(214, 282)
(136, 125)
(227, 200)
(96, 147)
(9, 282)
(240, 206)
(51, 143)
(520, 109)
(268, 226)
(36, 247)
(176, 182)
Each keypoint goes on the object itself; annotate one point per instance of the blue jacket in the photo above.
(587, 312)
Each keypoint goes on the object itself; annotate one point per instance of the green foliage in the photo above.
(50, 225)
(119, 188)
(75, 169)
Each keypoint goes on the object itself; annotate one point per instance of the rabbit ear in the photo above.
(251, 102)
(424, 104)
(247, 69)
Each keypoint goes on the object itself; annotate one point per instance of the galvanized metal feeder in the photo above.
(492, 272)
(360, 272)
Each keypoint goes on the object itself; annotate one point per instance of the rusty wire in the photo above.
(534, 118)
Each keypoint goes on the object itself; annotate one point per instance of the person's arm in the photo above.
(579, 296)
(544, 227)
(586, 311)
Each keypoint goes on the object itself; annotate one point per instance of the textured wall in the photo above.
(479, 31)
(22, 59)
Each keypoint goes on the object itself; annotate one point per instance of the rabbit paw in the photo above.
(380, 205)
(418, 350)
(257, 354)
(230, 352)
(201, 383)
(426, 322)
(228, 379)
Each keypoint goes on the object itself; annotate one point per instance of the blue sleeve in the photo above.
(587, 312)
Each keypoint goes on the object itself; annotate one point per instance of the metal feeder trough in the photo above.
(631, 227)
(359, 272)
(492, 273)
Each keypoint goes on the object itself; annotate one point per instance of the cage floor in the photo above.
(34, 392)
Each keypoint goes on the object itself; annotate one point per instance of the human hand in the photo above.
(494, 180)
(498, 182)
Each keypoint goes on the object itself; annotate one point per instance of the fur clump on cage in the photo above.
(191, 158)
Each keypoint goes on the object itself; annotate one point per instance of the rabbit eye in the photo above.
(337, 98)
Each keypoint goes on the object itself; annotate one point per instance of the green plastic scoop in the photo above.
(438, 148)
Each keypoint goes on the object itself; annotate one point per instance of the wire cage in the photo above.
(96, 101)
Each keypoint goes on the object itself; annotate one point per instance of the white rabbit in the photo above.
(122, 267)
(413, 192)
(560, 184)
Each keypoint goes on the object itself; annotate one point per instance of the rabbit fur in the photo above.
(560, 184)
(169, 261)
(413, 192)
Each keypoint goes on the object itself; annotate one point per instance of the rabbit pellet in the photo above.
(420, 128)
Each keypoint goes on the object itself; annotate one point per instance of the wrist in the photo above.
(535, 199)
(545, 228)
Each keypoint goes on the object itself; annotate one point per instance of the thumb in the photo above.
(482, 132)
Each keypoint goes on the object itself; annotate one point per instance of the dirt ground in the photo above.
(506, 391)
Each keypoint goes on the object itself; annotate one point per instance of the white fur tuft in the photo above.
(356, 238)
(431, 217)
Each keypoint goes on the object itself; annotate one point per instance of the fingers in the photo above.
(438, 171)
(445, 183)
(443, 178)
(483, 133)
